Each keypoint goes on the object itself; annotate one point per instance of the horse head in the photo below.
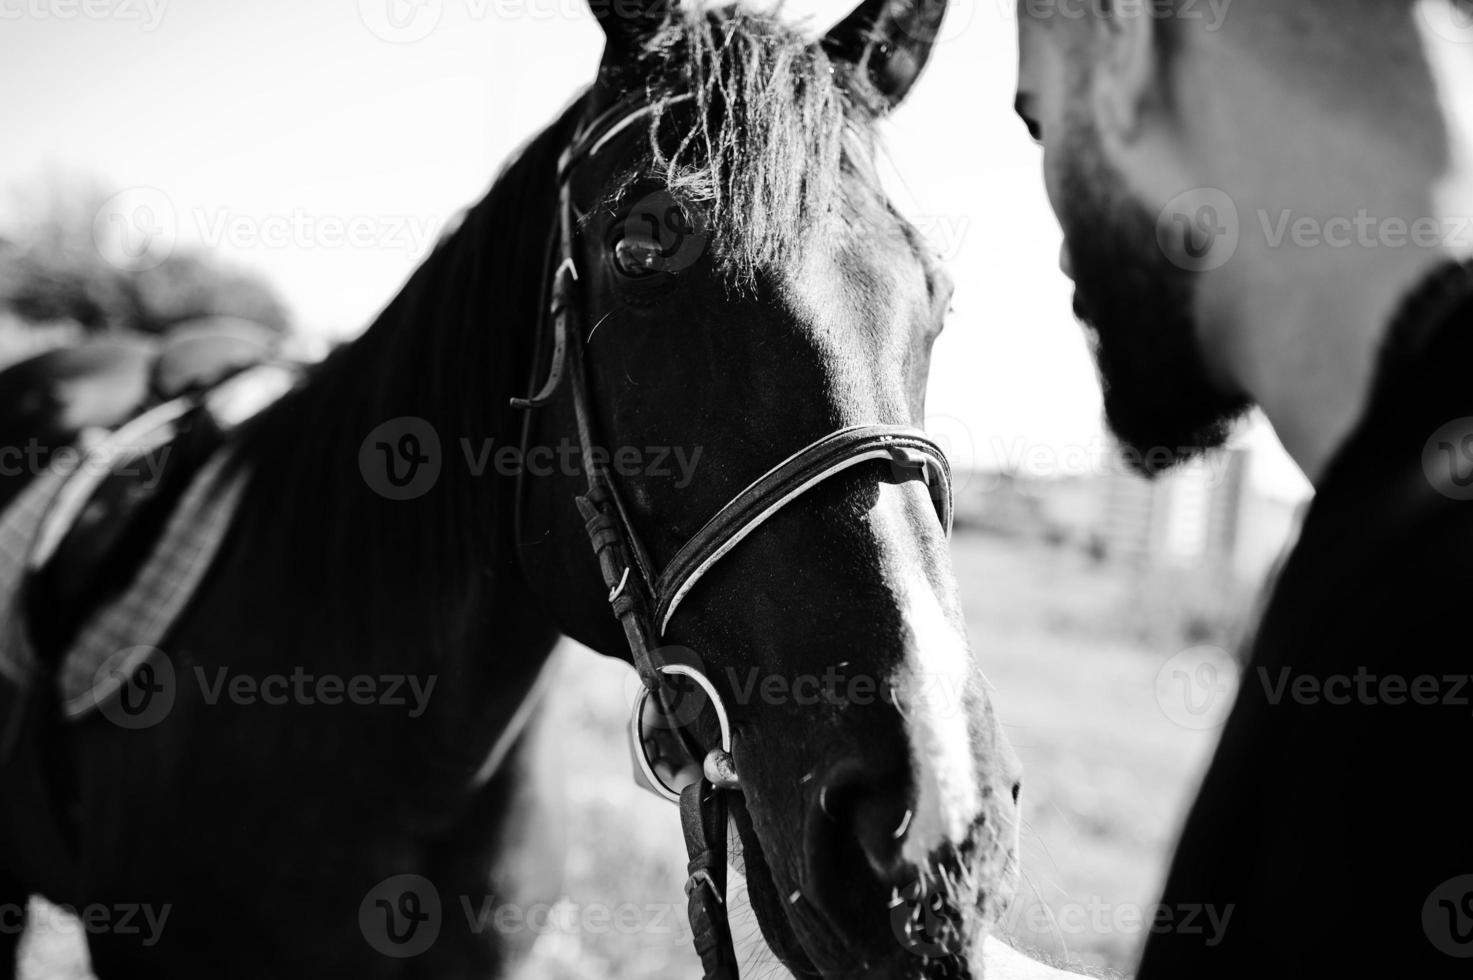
(744, 289)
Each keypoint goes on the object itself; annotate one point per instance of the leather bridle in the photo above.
(644, 599)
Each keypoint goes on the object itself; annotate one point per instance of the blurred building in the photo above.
(1204, 516)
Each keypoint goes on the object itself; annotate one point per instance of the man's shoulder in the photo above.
(1386, 550)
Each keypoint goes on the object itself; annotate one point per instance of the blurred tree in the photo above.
(53, 270)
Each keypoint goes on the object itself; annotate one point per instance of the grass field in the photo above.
(1108, 776)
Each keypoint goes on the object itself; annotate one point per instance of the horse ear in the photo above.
(629, 23)
(889, 41)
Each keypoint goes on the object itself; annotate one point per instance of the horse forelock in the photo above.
(772, 134)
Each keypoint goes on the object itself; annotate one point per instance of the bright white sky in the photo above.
(273, 127)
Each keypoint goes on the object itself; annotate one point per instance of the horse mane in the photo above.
(777, 127)
(450, 348)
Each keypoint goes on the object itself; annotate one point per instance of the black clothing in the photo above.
(1335, 823)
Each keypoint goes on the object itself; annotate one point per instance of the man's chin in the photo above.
(1160, 401)
(1153, 445)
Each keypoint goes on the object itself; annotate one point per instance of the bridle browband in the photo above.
(644, 599)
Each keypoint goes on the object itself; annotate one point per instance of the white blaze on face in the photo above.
(930, 688)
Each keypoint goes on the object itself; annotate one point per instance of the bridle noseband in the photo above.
(644, 599)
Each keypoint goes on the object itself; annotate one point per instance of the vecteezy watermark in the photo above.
(138, 919)
(140, 227)
(660, 234)
(301, 687)
(1451, 21)
(1447, 459)
(1097, 917)
(937, 694)
(137, 687)
(33, 459)
(954, 437)
(1212, 13)
(1199, 229)
(303, 229)
(946, 233)
(408, 21)
(148, 14)
(1202, 229)
(1447, 917)
(925, 920)
(1196, 688)
(135, 229)
(1365, 688)
(403, 458)
(566, 917)
(401, 21)
(1364, 230)
(958, 19)
(1101, 457)
(403, 916)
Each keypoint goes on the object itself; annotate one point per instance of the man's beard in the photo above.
(1159, 398)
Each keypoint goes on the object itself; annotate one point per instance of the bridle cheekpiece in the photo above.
(644, 599)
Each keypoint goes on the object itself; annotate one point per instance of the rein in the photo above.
(644, 599)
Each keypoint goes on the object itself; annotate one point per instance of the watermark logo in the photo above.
(1364, 688)
(954, 437)
(1197, 687)
(661, 235)
(1199, 230)
(138, 686)
(403, 459)
(925, 921)
(1211, 14)
(141, 921)
(148, 14)
(1447, 460)
(1104, 457)
(135, 688)
(1449, 21)
(958, 19)
(946, 233)
(142, 463)
(401, 21)
(1447, 917)
(401, 916)
(1364, 230)
(400, 459)
(303, 229)
(1097, 917)
(411, 692)
(136, 229)
(684, 701)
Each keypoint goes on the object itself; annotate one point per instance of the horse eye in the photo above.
(638, 256)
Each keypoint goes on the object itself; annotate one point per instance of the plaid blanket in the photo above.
(99, 660)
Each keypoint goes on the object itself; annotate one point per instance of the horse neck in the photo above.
(430, 576)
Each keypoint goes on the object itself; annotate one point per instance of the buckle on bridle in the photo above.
(702, 878)
(618, 590)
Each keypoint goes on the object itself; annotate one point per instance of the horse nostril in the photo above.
(1017, 791)
(868, 816)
